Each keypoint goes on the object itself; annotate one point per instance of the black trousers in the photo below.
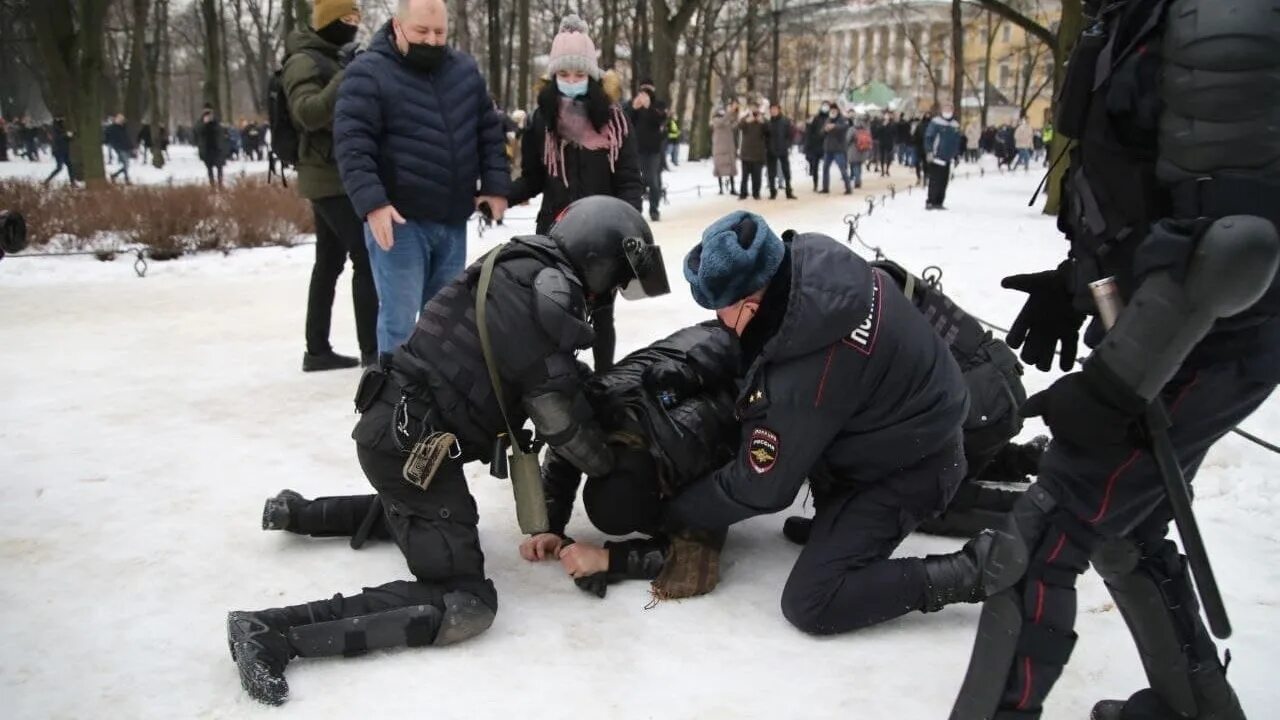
(651, 169)
(779, 165)
(1111, 494)
(886, 157)
(751, 170)
(435, 529)
(844, 579)
(939, 176)
(815, 168)
(213, 170)
(340, 234)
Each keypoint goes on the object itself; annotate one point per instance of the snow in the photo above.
(182, 166)
(145, 420)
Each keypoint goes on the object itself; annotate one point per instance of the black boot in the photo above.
(261, 652)
(327, 361)
(280, 512)
(957, 577)
(1214, 698)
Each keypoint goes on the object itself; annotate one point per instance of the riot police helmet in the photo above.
(611, 248)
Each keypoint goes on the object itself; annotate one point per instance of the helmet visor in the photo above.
(649, 274)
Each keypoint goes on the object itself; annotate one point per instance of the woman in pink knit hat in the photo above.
(579, 143)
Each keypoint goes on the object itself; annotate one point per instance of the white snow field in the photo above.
(182, 166)
(143, 422)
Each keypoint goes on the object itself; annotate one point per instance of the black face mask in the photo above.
(338, 33)
(424, 57)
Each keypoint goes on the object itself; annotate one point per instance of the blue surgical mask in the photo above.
(572, 90)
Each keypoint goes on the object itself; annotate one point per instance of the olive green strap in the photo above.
(482, 292)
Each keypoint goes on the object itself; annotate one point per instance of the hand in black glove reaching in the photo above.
(1047, 319)
(1089, 409)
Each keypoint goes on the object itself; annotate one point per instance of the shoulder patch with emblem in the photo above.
(762, 450)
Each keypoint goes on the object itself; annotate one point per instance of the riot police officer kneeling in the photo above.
(435, 390)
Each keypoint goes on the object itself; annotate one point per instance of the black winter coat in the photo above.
(419, 141)
(688, 436)
(852, 386)
(649, 125)
(441, 368)
(813, 137)
(585, 172)
(779, 136)
(211, 143)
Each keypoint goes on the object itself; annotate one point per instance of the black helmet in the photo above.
(609, 244)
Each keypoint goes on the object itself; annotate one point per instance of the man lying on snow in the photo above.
(673, 401)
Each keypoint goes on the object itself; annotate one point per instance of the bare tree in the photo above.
(957, 57)
(212, 55)
(925, 54)
(157, 67)
(526, 54)
(69, 35)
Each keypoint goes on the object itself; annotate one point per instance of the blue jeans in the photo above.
(855, 173)
(674, 147)
(426, 255)
(1024, 158)
(841, 162)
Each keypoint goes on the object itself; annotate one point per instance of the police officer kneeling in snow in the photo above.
(1172, 192)
(436, 387)
(845, 385)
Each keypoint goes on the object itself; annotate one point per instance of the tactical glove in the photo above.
(1090, 409)
(1048, 318)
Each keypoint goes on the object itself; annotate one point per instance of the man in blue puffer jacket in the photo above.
(941, 146)
(418, 146)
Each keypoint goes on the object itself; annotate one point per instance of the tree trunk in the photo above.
(957, 58)
(526, 55)
(1068, 33)
(135, 94)
(699, 129)
(159, 102)
(461, 28)
(226, 61)
(986, 72)
(751, 47)
(608, 33)
(508, 58)
(288, 22)
(70, 44)
(493, 19)
(640, 44)
(212, 56)
(667, 29)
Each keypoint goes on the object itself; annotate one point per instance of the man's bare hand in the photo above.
(582, 559)
(380, 224)
(544, 546)
(497, 206)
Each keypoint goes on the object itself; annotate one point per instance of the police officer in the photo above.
(1159, 164)
(542, 289)
(846, 385)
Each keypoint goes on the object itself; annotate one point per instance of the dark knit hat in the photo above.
(738, 255)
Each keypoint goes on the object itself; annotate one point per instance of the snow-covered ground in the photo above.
(142, 423)
(182, 166)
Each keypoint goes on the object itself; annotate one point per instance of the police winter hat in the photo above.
(572, 49)
(326, 11)
(738, 255)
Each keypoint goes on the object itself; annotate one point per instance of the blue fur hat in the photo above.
(738, 255)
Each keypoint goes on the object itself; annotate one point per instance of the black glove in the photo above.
(1089, 409)
(1047, 319)
(669, 376)
(348, 52)
(597, 584)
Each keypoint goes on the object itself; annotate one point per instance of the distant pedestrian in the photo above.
(648, 118)
(942, 145)
(1023, 139)
(211, 146)
(753, 151)
(117, 138)
(780, 134)
(835, 149)
(60, 141)
(724, 150)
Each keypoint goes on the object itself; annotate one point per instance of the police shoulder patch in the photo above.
(762, 450)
